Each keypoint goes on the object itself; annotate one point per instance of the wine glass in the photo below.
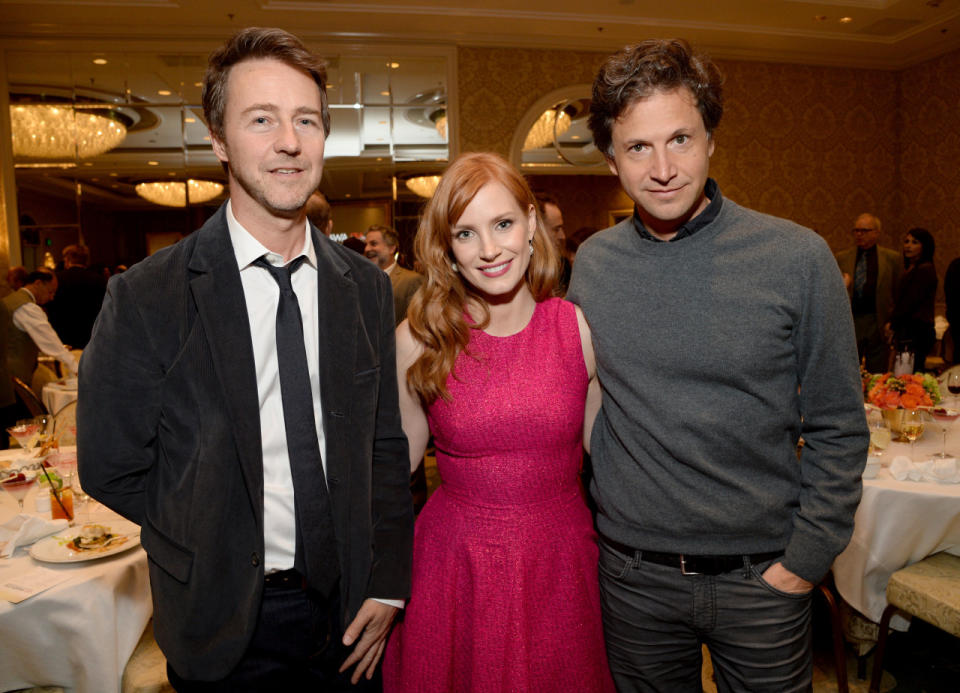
(943, 418)
(911, 425)
(953, 383)
(18, 485)
(879, 433)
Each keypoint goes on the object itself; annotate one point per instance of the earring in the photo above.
(453, 266)
(531, 246)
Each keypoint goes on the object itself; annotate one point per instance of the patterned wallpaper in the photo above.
(929, 172)
(817, 145)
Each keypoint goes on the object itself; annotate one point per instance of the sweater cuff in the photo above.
(808, 557)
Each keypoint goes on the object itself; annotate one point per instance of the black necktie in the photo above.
(316, 554)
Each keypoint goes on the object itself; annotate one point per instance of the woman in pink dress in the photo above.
(505, 594)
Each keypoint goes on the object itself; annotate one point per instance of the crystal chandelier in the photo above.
(424, 186)
(541, 132)
(47, 131)
(173, 193)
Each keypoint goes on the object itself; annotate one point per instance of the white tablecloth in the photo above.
(55, 396)
(897, 524)
(80, 633)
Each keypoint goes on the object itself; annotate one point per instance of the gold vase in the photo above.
(892, 417)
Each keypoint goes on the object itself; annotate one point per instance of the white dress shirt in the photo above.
(262, 294)
(31, 319)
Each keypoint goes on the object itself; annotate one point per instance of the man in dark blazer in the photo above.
(872, 290)
(184, 426)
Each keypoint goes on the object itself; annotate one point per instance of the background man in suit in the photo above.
(382, 246)
(872, 274)
(74, 310)
(319, 213)
(269, 523)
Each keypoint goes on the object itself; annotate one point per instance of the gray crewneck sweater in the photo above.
(702, 345)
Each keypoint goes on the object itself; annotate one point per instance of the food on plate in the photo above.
(95, 538)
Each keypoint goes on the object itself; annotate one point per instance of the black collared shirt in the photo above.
(712, 191)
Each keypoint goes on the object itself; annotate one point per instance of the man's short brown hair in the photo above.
(255, 43)
(638, 71)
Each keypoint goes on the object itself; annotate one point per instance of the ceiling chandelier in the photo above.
(424, 186)
(55, 131)
(174, 193)
(541, 132)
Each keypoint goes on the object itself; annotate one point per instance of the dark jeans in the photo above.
(656, 619)
(296, 646)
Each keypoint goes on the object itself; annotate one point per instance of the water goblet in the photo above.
(943, 418)
(911, 425)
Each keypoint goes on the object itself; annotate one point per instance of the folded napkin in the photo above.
(936, 470)
(26, 529)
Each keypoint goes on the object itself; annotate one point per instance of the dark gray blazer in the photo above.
(169, 437)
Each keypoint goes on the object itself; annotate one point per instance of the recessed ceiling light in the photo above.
(381, 122)
(393, 66)
(114, 186)
(171, 173)
(189, 120)
(206, 138)
(198, 84)
(153, 163)
(348, 194)
(99, 61)
(95, 180)
(113, 173)
(88, 163)
(574, 137)
(846, 20)
(385, 93)
(164, 92)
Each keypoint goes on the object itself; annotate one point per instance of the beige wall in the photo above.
(814, 144)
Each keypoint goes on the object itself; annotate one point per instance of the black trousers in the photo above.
(297, 645)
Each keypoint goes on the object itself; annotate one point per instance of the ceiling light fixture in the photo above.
(176, 193)
(424, 186)
(541, 132)
(46, 131)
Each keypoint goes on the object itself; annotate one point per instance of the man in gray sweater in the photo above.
(722, 335)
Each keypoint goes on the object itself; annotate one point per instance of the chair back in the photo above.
(65, 424)
(33, 403)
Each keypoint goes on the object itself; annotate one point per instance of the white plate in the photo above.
(54, 549)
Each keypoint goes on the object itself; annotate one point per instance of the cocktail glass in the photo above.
(943, 418)
(18, 486)
(30, 433)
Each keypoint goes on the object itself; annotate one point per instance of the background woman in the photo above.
(505, 594)
(912, 316)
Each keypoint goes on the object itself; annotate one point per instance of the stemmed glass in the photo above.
(911, 425)
(18, 486)
(29, 432)
(953, 384)
(943, 418)
(879, 433)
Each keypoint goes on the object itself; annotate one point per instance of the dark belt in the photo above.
(288, 579)
(693, 565)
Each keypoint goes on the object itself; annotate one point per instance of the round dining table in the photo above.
(79, 633)
(58, 394)
(897, 524)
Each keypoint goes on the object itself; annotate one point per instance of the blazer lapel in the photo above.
(222, 310)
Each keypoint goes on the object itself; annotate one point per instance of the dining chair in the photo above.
(825, 588)
(928, 590)
(29, 398)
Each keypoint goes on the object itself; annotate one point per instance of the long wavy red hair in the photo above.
(436, 314)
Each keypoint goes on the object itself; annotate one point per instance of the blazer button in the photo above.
(254, 559)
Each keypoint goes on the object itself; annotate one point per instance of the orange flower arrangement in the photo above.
(903, 391)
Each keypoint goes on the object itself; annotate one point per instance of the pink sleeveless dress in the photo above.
(505, 594)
